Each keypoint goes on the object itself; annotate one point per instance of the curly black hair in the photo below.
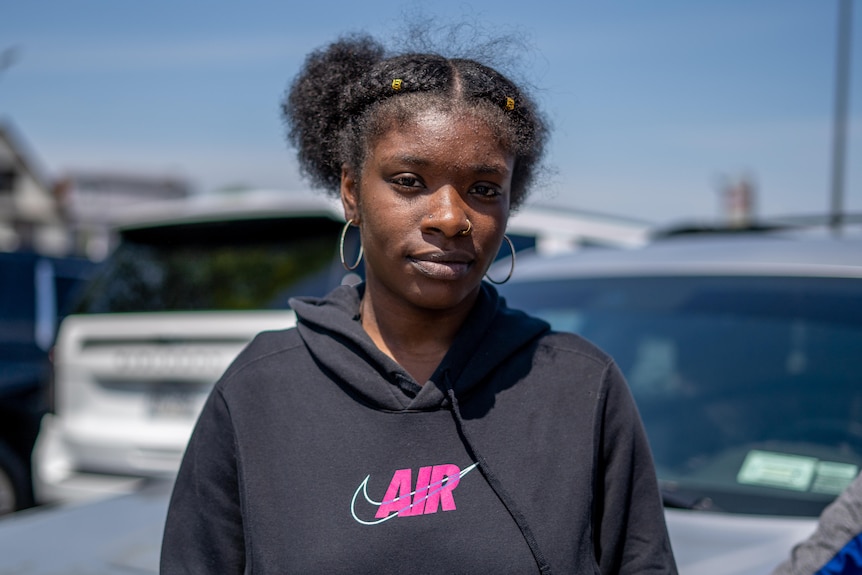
(344, 98)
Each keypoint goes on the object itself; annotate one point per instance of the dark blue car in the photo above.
(35, 292)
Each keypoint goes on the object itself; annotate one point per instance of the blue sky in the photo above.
(654, 103)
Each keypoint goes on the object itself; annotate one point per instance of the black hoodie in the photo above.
(317, 453)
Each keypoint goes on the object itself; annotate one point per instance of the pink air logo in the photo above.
(434, 487)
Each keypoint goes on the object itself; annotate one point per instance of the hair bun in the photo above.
(313, 107)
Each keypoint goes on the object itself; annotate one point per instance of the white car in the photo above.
(189, 285)
(744, 354)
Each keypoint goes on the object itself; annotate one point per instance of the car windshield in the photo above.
(225, 265)
(750, 388)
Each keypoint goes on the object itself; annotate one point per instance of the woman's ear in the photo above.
(350, 194)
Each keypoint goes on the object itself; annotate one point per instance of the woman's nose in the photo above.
(446, 213)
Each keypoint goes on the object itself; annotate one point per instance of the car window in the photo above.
(17, 300)
(225, 265)
(750, 388)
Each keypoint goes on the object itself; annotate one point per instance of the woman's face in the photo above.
(421, 183)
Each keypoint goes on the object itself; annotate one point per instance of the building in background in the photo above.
(739, 202)
(30, 218)
(71, 214)
(93, 201)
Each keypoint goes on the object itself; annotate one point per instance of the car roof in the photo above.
(257, 204)
(755, 254)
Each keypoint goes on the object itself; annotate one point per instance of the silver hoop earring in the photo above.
(511, 268)
(341, 248)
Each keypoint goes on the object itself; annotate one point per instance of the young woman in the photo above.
(414, 423)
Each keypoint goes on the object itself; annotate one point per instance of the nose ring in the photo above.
(468, 230)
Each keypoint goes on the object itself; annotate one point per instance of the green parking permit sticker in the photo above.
(833, 477)
(777, 470)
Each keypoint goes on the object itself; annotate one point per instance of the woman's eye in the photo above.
(406, 181)
(486, 191)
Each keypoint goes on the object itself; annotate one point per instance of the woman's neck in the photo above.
(417, 339)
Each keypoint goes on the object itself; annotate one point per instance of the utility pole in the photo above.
(839, 127)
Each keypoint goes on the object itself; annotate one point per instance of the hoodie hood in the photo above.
(492, 333)
(331, 329)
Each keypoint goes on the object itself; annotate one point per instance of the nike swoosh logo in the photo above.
(430, 490)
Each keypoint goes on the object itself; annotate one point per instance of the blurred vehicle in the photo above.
(35, 291)
(189, 284)
(744, 354)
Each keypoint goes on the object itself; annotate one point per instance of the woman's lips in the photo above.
(442, 266)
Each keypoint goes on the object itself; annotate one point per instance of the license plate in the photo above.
(172, 400)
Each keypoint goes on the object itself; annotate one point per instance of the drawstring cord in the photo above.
(496, 486)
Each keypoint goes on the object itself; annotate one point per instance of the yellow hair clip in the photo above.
(510, 104)
(396, 84)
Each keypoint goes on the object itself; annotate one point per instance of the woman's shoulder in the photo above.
(578, 345)
(558, 343)
(265, 354)
(272, 341)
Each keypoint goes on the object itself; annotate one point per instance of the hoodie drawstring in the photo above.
(494, 483)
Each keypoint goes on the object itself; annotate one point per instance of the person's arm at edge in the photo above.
(835, 547)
